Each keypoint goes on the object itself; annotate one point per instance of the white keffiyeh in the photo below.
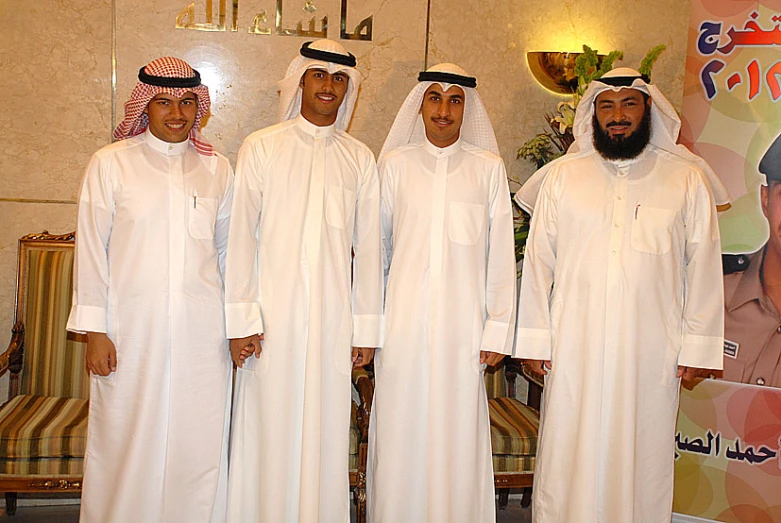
(408, 127)
(290, 90)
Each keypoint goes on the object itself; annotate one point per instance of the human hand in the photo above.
(492, 359)
(362, 356)
(538, 367)
(243, 348)
(101, 354)
(688, 374)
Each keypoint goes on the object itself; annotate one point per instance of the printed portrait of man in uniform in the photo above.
(752, 293)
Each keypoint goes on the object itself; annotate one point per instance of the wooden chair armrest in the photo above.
(536, 385)
(363, 382)
(11, 359)
(532, 378)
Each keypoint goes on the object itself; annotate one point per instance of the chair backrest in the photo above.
(53, 362)
(496, 381)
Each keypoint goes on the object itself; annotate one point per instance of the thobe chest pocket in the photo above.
(202, 215)
(465, 222)
(338, 205)
(652, 229)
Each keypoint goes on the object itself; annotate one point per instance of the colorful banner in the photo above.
(728, 453)
(731, 111)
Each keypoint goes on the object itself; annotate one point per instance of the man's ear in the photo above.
(301, 82)
(764, 196)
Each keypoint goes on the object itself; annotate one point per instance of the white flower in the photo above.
(566, 116)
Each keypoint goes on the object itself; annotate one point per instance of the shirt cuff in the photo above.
(495, 337)
(367, 330)
(243, 319)
(702, 352)
(84, 318)
(533, 344)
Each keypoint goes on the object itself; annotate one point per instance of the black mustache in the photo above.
(622, 123)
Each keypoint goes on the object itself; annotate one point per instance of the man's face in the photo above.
(443, 113)
(622, 123)
(323, 94)
(770, 197)
(171, 118)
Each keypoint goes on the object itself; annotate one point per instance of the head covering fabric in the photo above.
(179, 77)
(320, 54)
(665, 128)
(408, 127)
(770, 164)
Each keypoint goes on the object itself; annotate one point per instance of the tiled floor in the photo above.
(70, 514)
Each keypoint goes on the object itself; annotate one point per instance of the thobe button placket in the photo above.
(619, 214)
(615, 245)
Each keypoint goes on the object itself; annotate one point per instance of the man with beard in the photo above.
(304, 279)
(621, 298)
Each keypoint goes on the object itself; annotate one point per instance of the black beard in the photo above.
(622, 147)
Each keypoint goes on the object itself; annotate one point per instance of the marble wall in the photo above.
(56, 77)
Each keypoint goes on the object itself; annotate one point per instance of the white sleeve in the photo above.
(222, 226)
(367, 290)
(703, 312)
(93, 229)
(242, 290)
(533, 336)
(498, 331)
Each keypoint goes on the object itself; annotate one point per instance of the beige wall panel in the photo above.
(55, 76)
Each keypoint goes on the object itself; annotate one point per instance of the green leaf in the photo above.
(648, 62)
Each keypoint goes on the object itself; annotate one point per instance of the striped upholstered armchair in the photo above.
(43, 424)
(514, 427)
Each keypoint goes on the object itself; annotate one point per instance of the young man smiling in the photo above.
(150, 247)
(307, 197)
(448, 248)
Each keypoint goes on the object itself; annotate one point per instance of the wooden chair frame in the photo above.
(363, 382)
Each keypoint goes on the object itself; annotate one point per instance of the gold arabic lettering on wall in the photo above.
(186, 19)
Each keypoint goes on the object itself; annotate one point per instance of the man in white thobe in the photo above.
(148, 282)
(307, 202)
(621, 297)
(448, 248)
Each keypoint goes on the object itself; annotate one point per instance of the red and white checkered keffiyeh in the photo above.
(136, 121)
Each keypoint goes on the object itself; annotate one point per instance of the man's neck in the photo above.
(319, 120)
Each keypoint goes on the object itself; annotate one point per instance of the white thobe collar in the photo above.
(166, 148)
(637, 166)
(442, 152)
(625, 164)
(315, 131)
